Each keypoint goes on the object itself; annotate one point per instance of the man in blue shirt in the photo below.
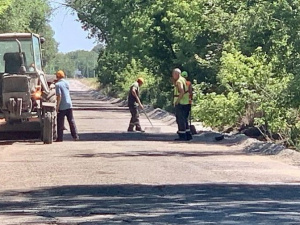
(64, 107)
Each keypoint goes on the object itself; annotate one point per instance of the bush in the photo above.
(131, 73)
(218, 111)
(110, 64)
(251, 89)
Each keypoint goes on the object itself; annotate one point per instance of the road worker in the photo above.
(181, 103)
(134, 103)
(190, 92)
(64, 107)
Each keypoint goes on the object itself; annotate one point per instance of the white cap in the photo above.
(177, 71)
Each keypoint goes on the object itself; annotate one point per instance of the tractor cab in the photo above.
(24, 92)
(21, 54)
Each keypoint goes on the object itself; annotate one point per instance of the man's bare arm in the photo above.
(137, 98)
(58, 97)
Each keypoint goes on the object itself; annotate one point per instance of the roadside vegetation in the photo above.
(29, 16)
(92, 83)
(242, 55)
(77, 64)
(34, 16)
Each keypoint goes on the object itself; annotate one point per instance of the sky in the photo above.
(68, 31)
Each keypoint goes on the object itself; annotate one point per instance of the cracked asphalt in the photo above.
(114, 177)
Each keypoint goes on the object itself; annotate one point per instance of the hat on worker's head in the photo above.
(60, 74)
(184, 74)
(141, 80)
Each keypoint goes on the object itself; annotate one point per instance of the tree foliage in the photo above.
(4, 4)
(83, 61)
(29, 16)
(243, 54)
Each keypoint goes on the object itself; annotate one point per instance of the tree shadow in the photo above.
(203, 138)
(151, 153)
(165, 204)
(124, 136)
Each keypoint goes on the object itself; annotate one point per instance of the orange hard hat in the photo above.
(60, 74)
(141, 80)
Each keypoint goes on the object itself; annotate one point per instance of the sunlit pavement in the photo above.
(114, 177)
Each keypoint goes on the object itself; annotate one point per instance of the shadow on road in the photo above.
(11, 137)
(125, 136)
(206, 137)
(150, 153)
(169, 204)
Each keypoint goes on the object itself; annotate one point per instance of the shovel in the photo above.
(151, 129)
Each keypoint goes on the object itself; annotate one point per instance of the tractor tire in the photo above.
(50, 97)
(48, 128)
(54, 117)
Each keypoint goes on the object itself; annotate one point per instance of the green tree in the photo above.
(84, 61)
(4, 4)
(258, 76)
(61, 62)
(99, 47)
(30, 16)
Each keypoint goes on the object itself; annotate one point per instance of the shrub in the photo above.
(250, 88)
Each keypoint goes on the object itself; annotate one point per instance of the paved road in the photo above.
(112, 177)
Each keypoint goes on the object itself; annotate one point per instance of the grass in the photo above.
(92, 83)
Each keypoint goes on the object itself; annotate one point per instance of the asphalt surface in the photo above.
(114, 177)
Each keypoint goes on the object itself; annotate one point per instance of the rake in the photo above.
(151, 129)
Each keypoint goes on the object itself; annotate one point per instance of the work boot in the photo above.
(77, 138)
(189, 136)
(182, 137)
(139, 129)
(130, 128)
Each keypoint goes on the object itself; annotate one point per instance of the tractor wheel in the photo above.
(54, 117)
(48, 128)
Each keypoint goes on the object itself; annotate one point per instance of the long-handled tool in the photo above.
(151, 129)
(192, 127)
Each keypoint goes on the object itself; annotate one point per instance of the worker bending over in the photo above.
(134, 103)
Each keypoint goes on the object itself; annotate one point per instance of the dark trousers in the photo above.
(188, 116)
(181, 112)
(135, 118)
(182, 119)
(61, 123)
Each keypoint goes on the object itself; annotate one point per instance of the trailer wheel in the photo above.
(48, 128)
